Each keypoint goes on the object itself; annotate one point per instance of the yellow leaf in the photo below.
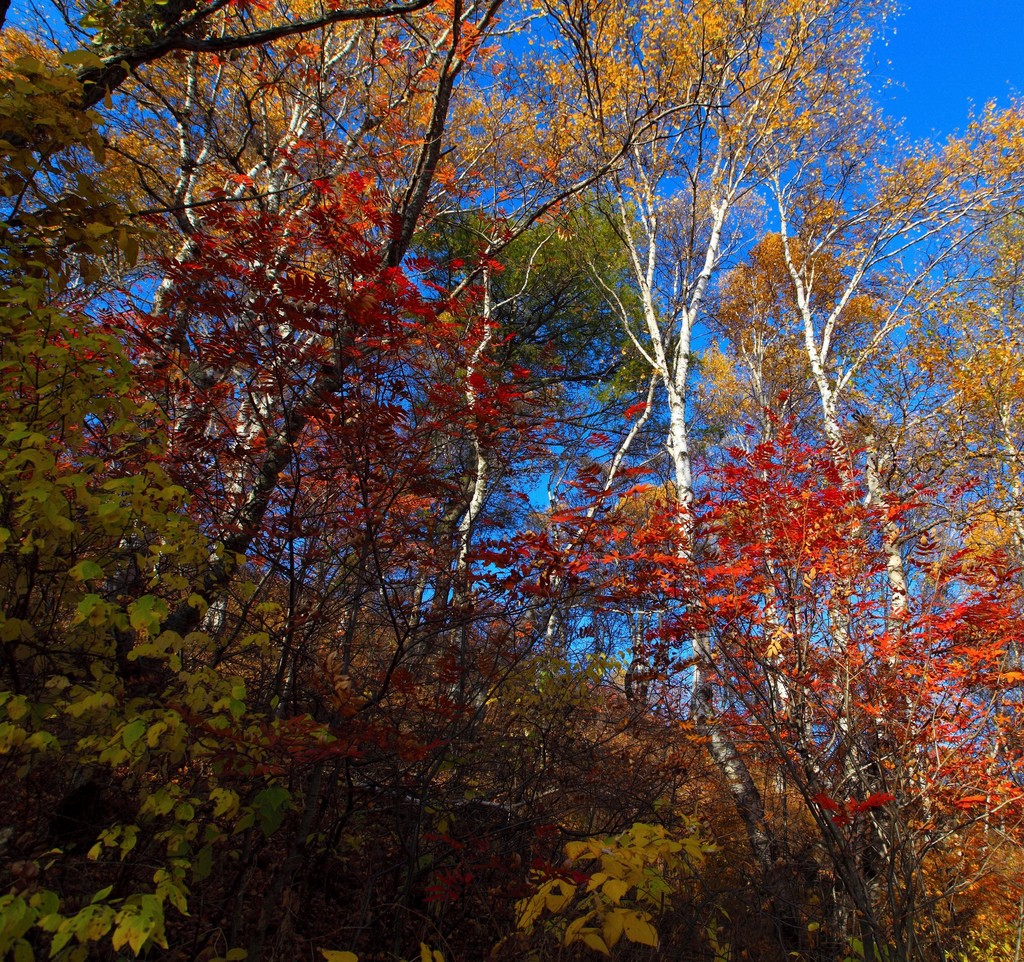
(428, 955)
(573, 929)
(556, 902)
(529, 911)
(333, 956)
(594, 941)
(575, 849)
(638, 929)
(612, 927)
(614, 889)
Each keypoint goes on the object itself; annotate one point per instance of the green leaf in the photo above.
(86, 571)
(91, 609)
(147, 613)
(271, 805)
(133, 732)
(225, 801)
(202, 865)
(62, 937)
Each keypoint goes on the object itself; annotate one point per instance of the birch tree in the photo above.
(729, 85)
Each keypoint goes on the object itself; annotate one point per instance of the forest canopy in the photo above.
(509, 479)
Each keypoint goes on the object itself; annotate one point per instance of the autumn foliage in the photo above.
(387, 575)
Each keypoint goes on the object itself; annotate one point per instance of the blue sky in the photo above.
(948, 53)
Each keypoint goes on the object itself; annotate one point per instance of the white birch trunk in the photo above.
(878, 494)
(480, 463)
(666, 348)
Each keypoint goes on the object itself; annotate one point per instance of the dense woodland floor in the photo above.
(485, 479)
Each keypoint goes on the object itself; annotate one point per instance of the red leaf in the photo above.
(872, 801)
